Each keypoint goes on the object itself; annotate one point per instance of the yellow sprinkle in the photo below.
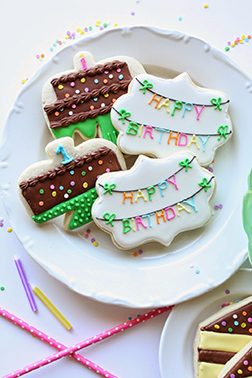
(81, 55)
(85, 185)
(115, 25)
(98, 21)
(243, 36)
(67, 36)
(95, 243)
(52, 308)
(216, 326)
(82, 31)
(97, 25)
(241, 41)
(78, 29)
(239, 371)
(233, 44)
(9, 229)
(40, 58)
(106, 95)
(83, 80)
(23, 81)
(54, 194)
(205, 5)
(243, 325)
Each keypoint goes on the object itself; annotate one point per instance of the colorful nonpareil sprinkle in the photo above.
(9, 229)
(2, 288)
(25, 284)
(52, 308)
(237, 41)
(220, 206)
(197, 271)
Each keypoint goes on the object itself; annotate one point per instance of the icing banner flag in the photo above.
(66, 182)
(158, 117)
(155, 200)
(79, 101)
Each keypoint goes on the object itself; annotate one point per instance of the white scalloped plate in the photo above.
(159, 275)
(180, 328)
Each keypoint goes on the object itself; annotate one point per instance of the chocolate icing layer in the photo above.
(214, 356)
(65, 182)
(235, 322)
(243, 367)
(87, 93)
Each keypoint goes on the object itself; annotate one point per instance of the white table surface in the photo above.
(29, 28)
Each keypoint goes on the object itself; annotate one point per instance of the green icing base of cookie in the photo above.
(88, 128)
(247, 215)
(81, 205)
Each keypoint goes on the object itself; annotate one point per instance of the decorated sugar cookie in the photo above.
(66, 182)
(155, 200)
(79, 100)
(220, 337)
(239, 366)
(158, 117)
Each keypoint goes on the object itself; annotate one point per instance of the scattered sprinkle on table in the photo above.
(9, 229)
(197, 271)
(237, 41)
(205, 5)
(180, 18)
(2, 288)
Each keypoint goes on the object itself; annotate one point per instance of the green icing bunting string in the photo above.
(109, 188)
(216, 102)
(222, 130)
(205, 184)
(124, 114)
(146, 85)
(185, 164)
(81, 205)
(109, 218)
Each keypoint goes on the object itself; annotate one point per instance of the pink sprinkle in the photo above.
(72, 84)
(73, 34)
(118, 70)
(37, 56)
(52, 187)
(245, 362)
(250, 320)
(86, 236)
(106, 72)
(237, 39)
(107, 170)
(101, 27)
(73, 106)
(86, 89)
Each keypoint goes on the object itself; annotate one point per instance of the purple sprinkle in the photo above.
(216, 207)
(132, 13)
(86, 89)
(70, 37)
(232, 376)
(101, 28)
(229, 43)
(68, 33)
(86, 29)
(227, 291)
(140, 251)
(88, 230)
(93, 240)
(220, 206)
(224, 323)
(1, 224)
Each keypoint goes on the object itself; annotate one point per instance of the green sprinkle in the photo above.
(41, 191)
(2, 288)
(227, 48)
(83, 173)
(230, 329)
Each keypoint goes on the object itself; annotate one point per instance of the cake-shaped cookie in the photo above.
(239, 366)
(79, 101)
(155, 200)
(66, 182)
(158, 117)
(220, 337)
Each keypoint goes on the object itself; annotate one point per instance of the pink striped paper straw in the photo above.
(49, 340)
(25, 284)
(92, 340)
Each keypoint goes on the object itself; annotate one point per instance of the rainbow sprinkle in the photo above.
(237, 41)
